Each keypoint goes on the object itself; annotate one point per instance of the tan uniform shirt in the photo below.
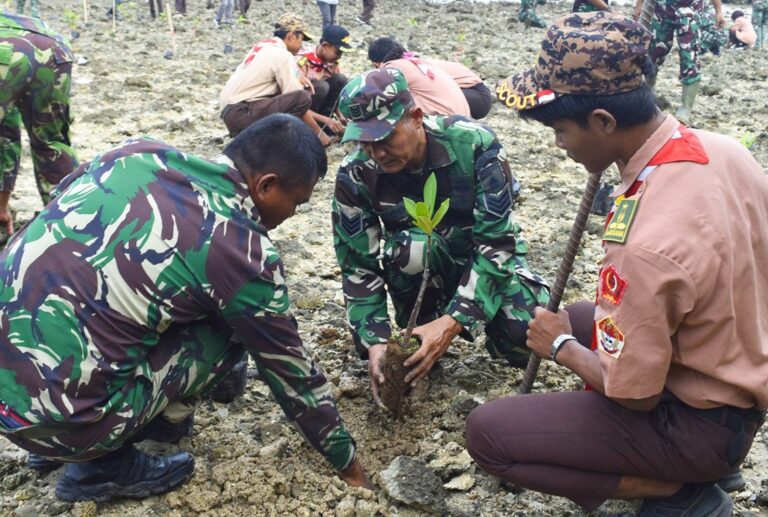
(683, 303)
(268, 70)
(462, 76)
(433, 90)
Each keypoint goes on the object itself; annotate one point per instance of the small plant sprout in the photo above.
(748, 140)
(426, 219)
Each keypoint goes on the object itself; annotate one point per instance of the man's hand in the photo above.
(6, 219)
(638, 10)
(354, 475)
(720, 20)
(307, 84)
(435, 336)
(334, 125)
(375, 362)
(544, 328)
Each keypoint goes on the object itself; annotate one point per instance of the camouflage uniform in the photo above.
(138, 287)
(711, 38)
(583, 6)
(479, 275)
(760, 21)
(34, 12)
(35, 79)
(528, 16)
(681, 19)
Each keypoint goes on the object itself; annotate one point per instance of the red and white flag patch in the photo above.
(611, 286)
(609, 338)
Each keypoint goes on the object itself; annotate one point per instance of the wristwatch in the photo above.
(557, 344)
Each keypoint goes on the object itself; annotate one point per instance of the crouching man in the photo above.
(678, 362)
(138, 288)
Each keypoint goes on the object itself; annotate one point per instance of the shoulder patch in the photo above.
(609, 338)
(618, 229)
(611, 286)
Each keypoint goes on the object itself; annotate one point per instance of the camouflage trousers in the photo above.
(760, 21)
(35, 80)
(583, 8)
(180, 369)
(685, 27)
(505, 333)
(712, 38)
(527, 14)
(33, 8)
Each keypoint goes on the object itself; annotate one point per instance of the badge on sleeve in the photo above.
(609, 338)
(618, 228)
(611, 286)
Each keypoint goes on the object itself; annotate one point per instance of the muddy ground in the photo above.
(249, 459)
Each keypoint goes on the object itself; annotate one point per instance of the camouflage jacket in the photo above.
(16, 25)
(142, 238)
(471, 170)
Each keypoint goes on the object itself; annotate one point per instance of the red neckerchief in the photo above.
(256, 48)
(682, 146)
(317, 64)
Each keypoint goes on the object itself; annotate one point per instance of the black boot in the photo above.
(126, 472)
(41, 464)
(733, 482)
(233, 384)
(694, 500)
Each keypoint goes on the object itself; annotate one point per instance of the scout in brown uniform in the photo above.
(678, 364)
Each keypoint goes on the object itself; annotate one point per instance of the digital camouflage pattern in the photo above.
(478, 271)
(527, 14)
(134, 291)
(711, 38)
(679, 19)
(599, 53)
(292, 22)
(35, 80)
(373, 103)
(760, 21)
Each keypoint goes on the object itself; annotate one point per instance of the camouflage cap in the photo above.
(293, 23)
(600, 53)
(373, 102)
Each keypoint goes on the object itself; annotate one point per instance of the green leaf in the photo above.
(410, 207)
(425, 223)
(422, 211)
(441, 212)
(430, 193)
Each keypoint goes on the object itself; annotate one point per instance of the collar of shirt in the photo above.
(645, 153)
(314, 61)
(239, 178)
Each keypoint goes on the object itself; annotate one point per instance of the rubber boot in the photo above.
(126, 472)
(233, 384)
(685, 112)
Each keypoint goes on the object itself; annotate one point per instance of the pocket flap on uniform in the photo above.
(6, 53)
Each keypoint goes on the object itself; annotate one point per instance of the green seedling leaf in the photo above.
(425, 223)
(440, 212)
(748, 140)
(422, 210)
(410, 207)
(430, 193)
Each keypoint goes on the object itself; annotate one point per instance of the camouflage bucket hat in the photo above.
(600, 53)
(373, 103)
(291, 22)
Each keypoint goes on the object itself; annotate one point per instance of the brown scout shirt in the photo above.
(268, 70)
(682, 304)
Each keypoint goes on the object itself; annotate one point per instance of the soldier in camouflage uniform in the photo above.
(680, 19)
(479, 277)
(138, 287)
(35, 78)
(712, 37)
(528, 16)
(760, 21)
(34, 12)
(589, 6)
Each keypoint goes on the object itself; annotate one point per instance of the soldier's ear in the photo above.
(262, 184)
(416, 115)
(602, 121)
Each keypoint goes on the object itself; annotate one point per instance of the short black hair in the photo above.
(282, 33)
(736, 14)
(385, 49)
(282, 144)
(630, 108)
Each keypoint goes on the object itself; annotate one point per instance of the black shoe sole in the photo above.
(68, 489)
(732, 483)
